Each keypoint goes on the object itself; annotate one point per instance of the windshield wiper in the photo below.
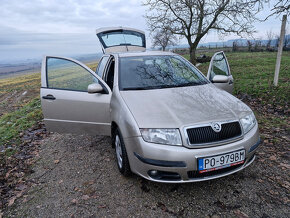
(163, 86)
(188, 84)
(136, 88)
(147, 87)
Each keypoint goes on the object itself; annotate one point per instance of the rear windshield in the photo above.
(156, 72)
(122, 37)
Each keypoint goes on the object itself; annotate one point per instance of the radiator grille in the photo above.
(206, 134)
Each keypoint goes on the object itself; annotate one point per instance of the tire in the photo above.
(121, 153)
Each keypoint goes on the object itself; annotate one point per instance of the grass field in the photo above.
(253, 74)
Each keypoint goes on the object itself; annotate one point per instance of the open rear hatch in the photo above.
(121, 39)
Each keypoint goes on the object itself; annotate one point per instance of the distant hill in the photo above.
(34, 65)
(88, 57)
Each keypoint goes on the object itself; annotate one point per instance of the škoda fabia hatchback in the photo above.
(168, 122)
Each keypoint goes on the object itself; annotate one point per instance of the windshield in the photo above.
(155, 72)
(122, 37)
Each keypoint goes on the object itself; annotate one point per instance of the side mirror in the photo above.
(220, 79)
(95, 88)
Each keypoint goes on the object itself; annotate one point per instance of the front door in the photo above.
(219, 66)
(66, 104)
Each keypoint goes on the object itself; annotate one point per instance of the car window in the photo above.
(66, 74)
(219, 66)
(101, 66)
(122, 37)
(153, 72)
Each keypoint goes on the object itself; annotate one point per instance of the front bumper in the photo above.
(178, 164)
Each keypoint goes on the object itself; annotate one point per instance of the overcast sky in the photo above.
(31, 29)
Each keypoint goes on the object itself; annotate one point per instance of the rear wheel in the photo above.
(121, 153)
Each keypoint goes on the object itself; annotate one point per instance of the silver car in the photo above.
(168, 122)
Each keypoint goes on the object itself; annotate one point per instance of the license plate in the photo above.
(207, 164)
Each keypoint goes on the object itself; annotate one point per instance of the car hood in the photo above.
(184, 106)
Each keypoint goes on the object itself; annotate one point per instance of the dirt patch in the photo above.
(75, 178)
(15, 165)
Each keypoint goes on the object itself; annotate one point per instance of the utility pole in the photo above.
(280, 49)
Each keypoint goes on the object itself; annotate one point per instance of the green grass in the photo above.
(253, 73)
(12, 124)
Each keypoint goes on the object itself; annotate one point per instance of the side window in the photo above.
(101, 66)
(66, 74)
(219, 66)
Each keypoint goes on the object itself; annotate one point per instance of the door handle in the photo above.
(49, 97)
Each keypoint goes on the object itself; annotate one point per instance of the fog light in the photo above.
(153, 172)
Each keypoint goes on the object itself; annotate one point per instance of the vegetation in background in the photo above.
(253, 75)
(20, 83)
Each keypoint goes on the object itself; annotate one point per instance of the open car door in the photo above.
(219, 72)
(121, 39)
(66, 103)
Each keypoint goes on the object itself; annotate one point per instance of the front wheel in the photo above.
(121, 153)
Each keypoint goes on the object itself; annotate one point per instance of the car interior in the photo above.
(109, 79)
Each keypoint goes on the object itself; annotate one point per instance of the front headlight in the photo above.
(248, 122)
(162, 136)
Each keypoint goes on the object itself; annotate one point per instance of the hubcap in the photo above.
(119, 151)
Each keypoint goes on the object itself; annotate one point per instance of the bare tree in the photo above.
(163, 37)
(235, 45)
(270, 36)
(277, 41)
(250, 45)
(280, 7)
(257, 45)
(193, 19)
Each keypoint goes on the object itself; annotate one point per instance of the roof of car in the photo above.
(144, 53)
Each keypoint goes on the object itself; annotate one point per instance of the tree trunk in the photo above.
(280, 48)
(192, 51)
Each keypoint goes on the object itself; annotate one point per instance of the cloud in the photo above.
(70, 16)
(37, 27)
(63, 27)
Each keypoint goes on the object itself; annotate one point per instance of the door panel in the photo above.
(102, 66)
(219, 66)
(66, 104)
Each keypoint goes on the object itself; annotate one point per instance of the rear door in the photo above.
(219, 66)
(66, 104)
(121, 39)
